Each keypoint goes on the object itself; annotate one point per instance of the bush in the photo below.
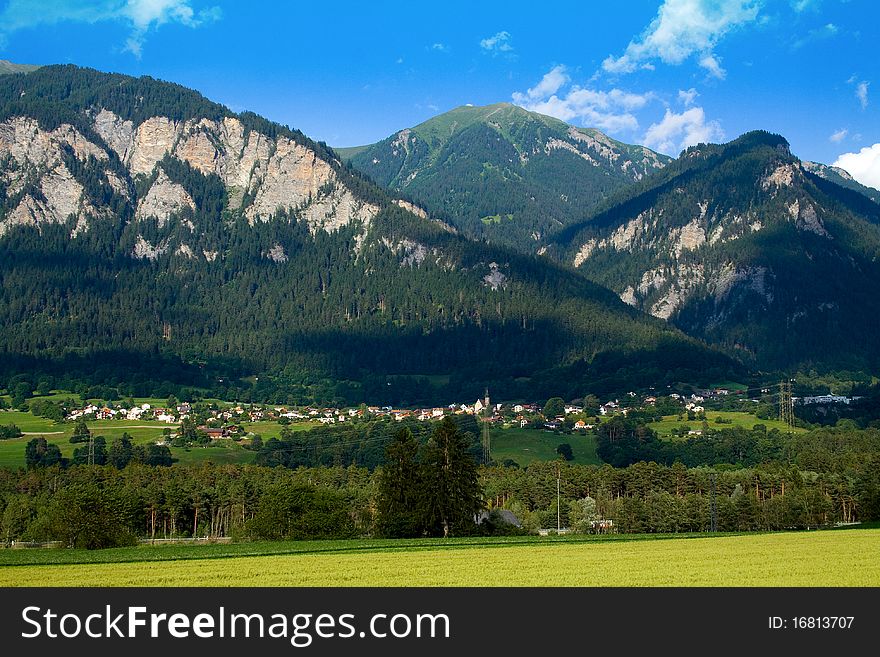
(287, 511)
(9, 431)
(564, 450)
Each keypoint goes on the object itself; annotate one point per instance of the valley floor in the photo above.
(814, 558)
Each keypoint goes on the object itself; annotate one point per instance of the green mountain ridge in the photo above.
(744, 246)
(502, 173)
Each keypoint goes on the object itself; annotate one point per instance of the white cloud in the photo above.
(802, 5)
(607, 110)
(678, 131)
(712, 64)
(683, 28)
(864, 166)
(688, 97)
(439, 47)
(839, 136)
(862, 93)
(827, 31)
(140, 15)
(497, 43)
(553, 80)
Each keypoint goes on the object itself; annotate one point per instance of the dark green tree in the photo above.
(85, 515)
(39, 454)
(120, 451)
(449, 474)
(289, 511)
(401, 490)
(81, 433)
(554, 406)
(9, 431)
(564, 450)
(20, 393)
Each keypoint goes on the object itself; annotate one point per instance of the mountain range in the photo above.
(142, 223)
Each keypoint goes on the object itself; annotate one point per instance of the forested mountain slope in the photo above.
(140, 221)
(502, 173)
(744, 246)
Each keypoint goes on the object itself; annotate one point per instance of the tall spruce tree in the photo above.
(401, 496)
(449, 475)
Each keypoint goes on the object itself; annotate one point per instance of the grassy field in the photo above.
(527, 445)
(12, 451)
(223, 454)
(818, 558)
(665, 427)
(143, 432)
(271, 429)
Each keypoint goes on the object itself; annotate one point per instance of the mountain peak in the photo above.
(502, 173)
(749, 141)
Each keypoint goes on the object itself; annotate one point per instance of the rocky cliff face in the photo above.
(35, 172)
(737, 243)
(262, 175)
(675, 246)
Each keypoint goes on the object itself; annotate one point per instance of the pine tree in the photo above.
(400, 489)
(449, 475)
(81, 433)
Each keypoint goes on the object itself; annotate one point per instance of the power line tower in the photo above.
(487, 440)
(166, 331)
(91, 449)
(786, 406)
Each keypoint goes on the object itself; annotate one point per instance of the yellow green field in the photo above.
(817, 558)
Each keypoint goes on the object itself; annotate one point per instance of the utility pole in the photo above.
(558, 514)
(713, 527)
(487, 439)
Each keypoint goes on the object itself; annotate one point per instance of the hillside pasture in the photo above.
(527, 445)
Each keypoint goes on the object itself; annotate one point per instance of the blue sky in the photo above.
(666, 73)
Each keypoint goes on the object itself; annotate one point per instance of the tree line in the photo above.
(435, 488)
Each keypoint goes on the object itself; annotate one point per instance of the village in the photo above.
(220, 420)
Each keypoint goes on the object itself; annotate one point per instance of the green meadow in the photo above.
(669, 423)
(527, 445)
